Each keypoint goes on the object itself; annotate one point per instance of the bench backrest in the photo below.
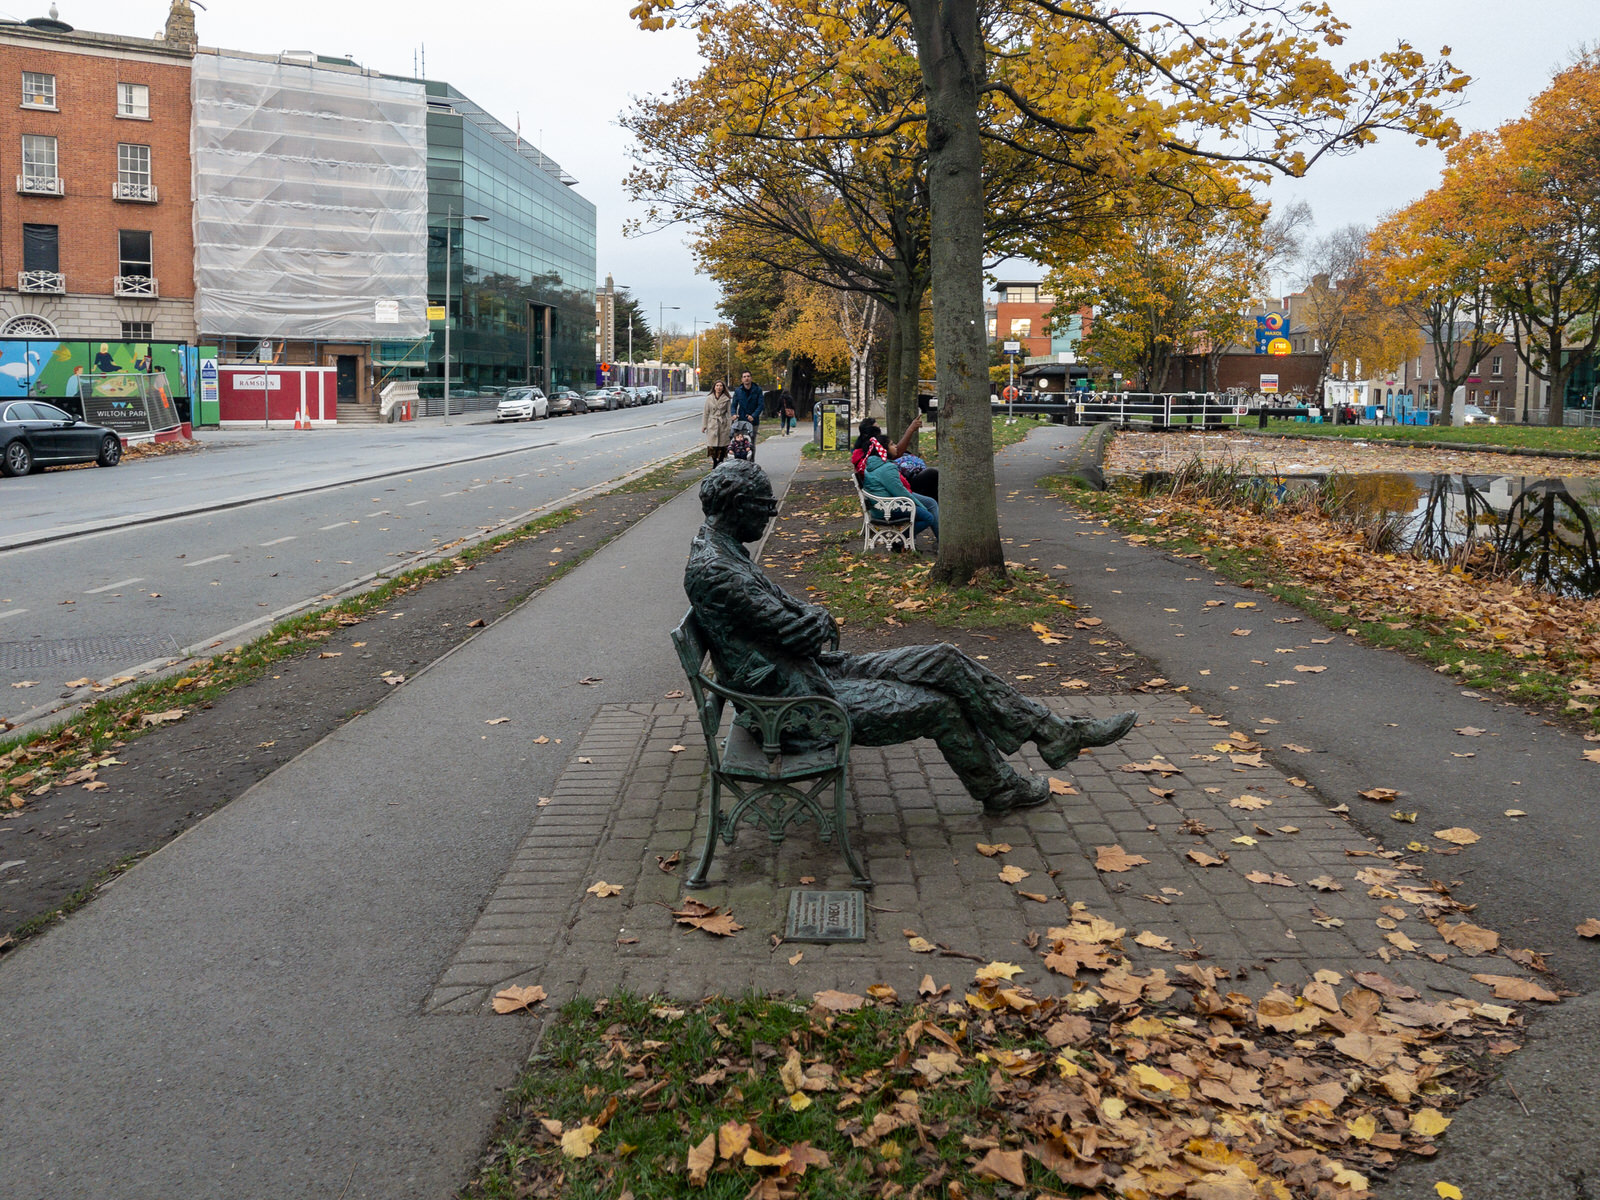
(818, 718)
(692, 656)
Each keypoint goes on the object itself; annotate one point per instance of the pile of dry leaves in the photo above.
(1133, 1086)
(64, 760)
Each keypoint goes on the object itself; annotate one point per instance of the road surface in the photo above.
(102, 571)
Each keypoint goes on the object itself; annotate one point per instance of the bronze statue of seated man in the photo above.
(765, 642)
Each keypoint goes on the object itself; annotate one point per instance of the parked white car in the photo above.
(523, 404)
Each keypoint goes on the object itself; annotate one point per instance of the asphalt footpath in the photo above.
(1374, 718)
(241, 1014)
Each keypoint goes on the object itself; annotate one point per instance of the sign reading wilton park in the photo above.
(129, 402)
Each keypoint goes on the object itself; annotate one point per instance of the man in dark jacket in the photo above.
(764, 641)
(748, 402)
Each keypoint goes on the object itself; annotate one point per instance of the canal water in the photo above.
(1539, 529)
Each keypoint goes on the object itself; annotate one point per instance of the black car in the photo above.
(34, 435)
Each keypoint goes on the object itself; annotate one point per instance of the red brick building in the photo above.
(1022, 314)
(96, 239)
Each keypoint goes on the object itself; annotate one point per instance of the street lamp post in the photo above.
(661, 353)
(450, 219)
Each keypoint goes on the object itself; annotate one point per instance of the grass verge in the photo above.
(868, 588)
(1007, 431)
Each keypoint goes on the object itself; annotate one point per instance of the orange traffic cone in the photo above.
(300, 421)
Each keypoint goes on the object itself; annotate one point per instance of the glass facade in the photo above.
(522, 283)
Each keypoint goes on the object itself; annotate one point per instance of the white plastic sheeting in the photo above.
(310, 201)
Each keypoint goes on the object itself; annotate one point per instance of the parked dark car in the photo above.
(564, 401)
(606, 398)
(34, 435)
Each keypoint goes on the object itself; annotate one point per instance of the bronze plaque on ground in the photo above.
(827, 916)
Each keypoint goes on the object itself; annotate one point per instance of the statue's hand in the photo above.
(827, 628)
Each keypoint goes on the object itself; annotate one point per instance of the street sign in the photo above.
(436, 312)
(1013, 347)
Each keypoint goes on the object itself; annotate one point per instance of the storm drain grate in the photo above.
(84, 652)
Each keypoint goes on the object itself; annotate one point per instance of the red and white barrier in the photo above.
(277, 397)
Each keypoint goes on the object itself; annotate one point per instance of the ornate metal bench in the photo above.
(770, 786)
(887, 521)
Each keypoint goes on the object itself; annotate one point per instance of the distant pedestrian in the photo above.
(748, 401)
(786, 412)
(717, 421)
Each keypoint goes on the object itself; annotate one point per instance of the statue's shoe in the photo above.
(1075, 736)
(1025, 793)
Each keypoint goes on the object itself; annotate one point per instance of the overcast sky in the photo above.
(569, 67)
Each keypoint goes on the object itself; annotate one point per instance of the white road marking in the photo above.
(214, 558)
(278, 541)
(335, 525)
(111, 587)
(449, 494)
(414, 503)
(12, 612)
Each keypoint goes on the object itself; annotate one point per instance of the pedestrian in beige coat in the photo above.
(717, 423)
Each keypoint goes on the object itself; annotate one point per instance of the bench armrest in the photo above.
(820, 719)
(886, 508)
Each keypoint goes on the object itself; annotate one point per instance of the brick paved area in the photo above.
(628, 797)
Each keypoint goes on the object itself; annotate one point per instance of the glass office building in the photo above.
(521, 292)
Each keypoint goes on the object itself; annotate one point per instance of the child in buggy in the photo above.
(742, 440)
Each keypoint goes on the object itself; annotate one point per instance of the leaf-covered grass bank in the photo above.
(1491, 633)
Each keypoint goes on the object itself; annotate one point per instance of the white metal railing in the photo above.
(142, 192)
(1161, 410)
(41, 185)
(1586, 417)
(41, 281)
(136, 286)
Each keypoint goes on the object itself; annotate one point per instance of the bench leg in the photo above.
(697, 878)
(841, 823)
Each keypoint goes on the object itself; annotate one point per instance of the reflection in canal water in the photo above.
(1541, 530)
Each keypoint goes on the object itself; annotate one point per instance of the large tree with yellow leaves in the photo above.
(1082, 88)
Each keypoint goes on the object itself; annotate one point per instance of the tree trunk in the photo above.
(906, 363)
(1560, 372)
(951, 56)
(802, 385)
(892, 365)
